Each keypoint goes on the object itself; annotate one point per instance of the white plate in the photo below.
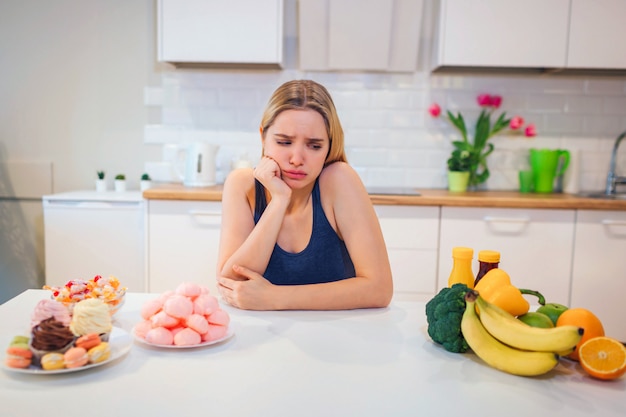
(119, 340)
(229, 333)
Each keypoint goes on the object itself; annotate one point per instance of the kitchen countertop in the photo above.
(300, 363)
(426, 197)
(371, 362)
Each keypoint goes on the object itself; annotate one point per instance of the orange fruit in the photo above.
(603, 357)
(584, 318)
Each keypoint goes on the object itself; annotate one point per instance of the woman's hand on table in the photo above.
(249, 292)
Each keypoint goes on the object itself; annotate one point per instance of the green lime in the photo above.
(552, 310)
(535, 319)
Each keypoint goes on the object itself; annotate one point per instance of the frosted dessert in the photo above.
(91, 316)
(50, 335)
(46, 309)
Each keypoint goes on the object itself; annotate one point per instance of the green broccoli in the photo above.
(444, 313)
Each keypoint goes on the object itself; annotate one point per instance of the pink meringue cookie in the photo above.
(151, 307)
(215, 333)
(219, 317)
(198, 323)
(159, 336)
(204, 290)
(205, 304)
(142, 328)
(176, 329)
(46, 309)
(188, 289)
(178, 306)
(187, 337)
(165, 295)
(162, 319)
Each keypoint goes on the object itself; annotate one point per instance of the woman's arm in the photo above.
(349, 210)
(241, 242)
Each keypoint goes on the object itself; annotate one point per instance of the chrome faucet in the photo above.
(612, 180)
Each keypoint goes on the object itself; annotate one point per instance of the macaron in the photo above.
(19, 340)
(100, 353)
(52, 361)
(88, 341)
(18, 356)
(75, 357)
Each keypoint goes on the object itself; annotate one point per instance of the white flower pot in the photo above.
(101, 185)
(145, 184)
(120, 185)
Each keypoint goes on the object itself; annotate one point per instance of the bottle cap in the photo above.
(490, 256)
(463, 253)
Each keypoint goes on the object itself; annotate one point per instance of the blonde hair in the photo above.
(307, 94)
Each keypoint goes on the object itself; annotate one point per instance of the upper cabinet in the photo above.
(530, 34)
(597, 33)
(234, 32)
(502, 33)
(361, 35)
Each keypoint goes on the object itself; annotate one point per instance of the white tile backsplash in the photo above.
(390, 137)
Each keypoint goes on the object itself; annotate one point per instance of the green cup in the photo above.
(525, 181)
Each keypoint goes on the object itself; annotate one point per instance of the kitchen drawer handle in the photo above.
(205, 213)
(613, 222)
(506, 219)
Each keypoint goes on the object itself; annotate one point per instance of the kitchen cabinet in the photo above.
(535, 245)
(412, 239)
(557, 34)
(183, 241)
(596, 33)
(221, 32)
(502, 33)
(381, 36)
(89, 233)
(598, 273)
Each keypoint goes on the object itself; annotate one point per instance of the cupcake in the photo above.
(50, 335)
(91, 316)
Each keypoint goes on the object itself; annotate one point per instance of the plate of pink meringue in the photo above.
(187, 317)
(183, 343)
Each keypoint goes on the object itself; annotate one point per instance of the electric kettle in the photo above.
(199, 164)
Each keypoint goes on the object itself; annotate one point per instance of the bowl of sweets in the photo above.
(108, 290)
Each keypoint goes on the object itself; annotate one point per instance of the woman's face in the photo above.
(299, 144)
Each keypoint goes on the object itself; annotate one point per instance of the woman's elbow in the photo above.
(382, 296)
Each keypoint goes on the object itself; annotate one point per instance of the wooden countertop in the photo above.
(427, 197)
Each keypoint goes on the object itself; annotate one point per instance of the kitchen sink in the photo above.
(603, 195)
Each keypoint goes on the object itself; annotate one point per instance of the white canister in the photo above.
(571, 177)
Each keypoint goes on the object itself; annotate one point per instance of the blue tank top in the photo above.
(325, 259)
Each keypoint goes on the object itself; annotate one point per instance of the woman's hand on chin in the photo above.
(268, 173)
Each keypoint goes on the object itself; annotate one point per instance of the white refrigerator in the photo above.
(89, 233)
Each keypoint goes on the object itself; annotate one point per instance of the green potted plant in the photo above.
(120, 183)
(146, 181)
(478, 146)
(101, 184)
(459, 165)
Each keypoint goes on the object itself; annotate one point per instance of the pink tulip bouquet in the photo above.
(472, 155)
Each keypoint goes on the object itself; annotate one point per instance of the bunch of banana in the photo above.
(507, 344)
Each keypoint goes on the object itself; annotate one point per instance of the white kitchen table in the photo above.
(377, 362)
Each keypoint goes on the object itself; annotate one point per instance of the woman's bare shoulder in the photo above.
(239, 182)
(342, 178)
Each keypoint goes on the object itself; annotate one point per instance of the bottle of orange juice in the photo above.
(462, 267)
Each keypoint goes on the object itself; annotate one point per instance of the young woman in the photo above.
(299, 231)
